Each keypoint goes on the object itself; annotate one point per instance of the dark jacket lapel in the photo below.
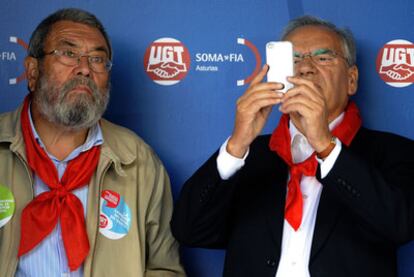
(326, 219)
(275, 211)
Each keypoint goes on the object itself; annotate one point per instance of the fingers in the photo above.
(305, 93)
(253, 109)
(302, 98)
(303, 110)
(259, 99)
(304, 87)
(259, 77)
(306, 104)
(258, 85)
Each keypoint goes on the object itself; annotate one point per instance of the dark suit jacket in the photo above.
(364, 214)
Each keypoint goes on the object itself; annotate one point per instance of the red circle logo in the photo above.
(103, 221)
(395, 63)
(167, 61)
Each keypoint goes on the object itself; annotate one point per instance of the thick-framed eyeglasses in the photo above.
(69, 57)
(321, 56)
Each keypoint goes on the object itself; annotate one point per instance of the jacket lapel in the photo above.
(326, 219)
(275, 210)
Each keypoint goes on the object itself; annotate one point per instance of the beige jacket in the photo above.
(127, 166)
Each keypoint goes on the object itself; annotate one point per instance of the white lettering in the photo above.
(179, 50)
(387, 59)
(236, 57)
(410, 55)
(218, 57)
(8, 56)
(206, 68)
(166, 54)
(397, 56)
(400, 56)
(155, 55)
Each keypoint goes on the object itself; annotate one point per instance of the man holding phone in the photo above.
(321, 196)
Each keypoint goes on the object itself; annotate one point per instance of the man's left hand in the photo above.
(306, 105)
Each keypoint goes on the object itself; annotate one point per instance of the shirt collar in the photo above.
(302, 150)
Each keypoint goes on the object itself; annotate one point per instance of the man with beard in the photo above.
(63, 163)
(321, 196)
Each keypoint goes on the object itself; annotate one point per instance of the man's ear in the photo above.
(352, 80)
(32, 72)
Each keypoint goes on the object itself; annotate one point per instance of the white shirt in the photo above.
(296, 245)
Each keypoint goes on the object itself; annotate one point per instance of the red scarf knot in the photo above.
(60, 191)
(307, 167)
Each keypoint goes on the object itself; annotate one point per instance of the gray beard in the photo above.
(81, 111)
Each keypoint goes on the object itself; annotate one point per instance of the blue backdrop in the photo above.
(218, 44)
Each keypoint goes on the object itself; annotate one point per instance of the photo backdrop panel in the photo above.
(212, 49)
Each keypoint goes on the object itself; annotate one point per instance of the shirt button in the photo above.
(293, 263)
(305, 196)
(271, 263)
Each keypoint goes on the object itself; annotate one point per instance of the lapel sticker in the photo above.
(7, 205)
(115, 216)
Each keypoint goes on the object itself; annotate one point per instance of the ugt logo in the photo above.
(167, 61)
(395, 63)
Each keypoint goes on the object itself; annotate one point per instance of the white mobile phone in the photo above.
(279, 57)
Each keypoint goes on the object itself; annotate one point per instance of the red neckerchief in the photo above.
(280, 142)
(41, 215)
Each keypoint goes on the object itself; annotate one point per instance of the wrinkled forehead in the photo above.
(77, 35)
(311, 38)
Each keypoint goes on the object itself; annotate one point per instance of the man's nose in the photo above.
(83, 67)
(305, 67)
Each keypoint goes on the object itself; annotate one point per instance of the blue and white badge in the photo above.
(115, 216)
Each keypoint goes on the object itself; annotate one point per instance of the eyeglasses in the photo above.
(321, 56)
(97, 63)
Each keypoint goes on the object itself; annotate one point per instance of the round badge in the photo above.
(7, 205)
(115, 216)
(395, 63)
(167, 61)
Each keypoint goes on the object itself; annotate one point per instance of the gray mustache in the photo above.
(80, 80)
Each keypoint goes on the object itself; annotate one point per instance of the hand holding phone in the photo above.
(279, 57)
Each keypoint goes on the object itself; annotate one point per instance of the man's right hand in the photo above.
(253, 109)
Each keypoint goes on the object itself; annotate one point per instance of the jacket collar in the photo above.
(116, 152)
(11, 132)
(113, 149)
